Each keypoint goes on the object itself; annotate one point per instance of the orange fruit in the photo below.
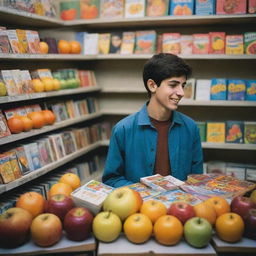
(75, 47)
(60, 188)
(27, 123)
(49, 117)
(44, 48)
(138, 228)
(15, 124)
(153, 209)
(219, 204)
(38, 85)
(168, 230)
(56, 84)
(32, 202)
(64, 46)
(37, 119)
(71, 179)
(206, 211)
(48, 84)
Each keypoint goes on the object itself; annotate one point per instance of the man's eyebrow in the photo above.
(176, 81)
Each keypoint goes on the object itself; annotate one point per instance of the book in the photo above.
(90, 44)
(202, 130)
(4, 129)
(6, 173)
(5, 46)
(215, 132)
(14, 41)
(250, 90)
(186, 44)
(111, 8)
(128, 43)
(218, 89)
(17, 80)
(14, 163)
(58, 146)
(203, 89)
(91, 195)
(156, 8)
(89, 9)
(104, 43)
(22, 159)
(189, 89)
(171, 43)
(38, 6)
(145, 42)
(44, 152)
(249, 42)
(234, 44)
(134, 9)
(33, 41)
(26, 81)
(234, 132)
(236, 89)
(59, 109)
(230, 7)
(115, 42)
(200, 43)
(250, 132)
(204, 7)
(217, 42)
(181, 7)
(68, 142)
(21, 34)
(9, 82)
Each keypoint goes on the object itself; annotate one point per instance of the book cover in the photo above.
(34, 153)
(203, 89)
(14, 41)
(200, 44)
(68, 142)
(26, 81)
(134, 9)
(202, 130)
(111, 8)
(18, 81)
(69, 10)
(234, 132)
(4, 130)
(24, 5)
(91, 43)
(145, 42)
(217, 42)
(58, 145)
(171, 43)
(6, 172)
(89, 9)
(5, 46)
(14, 164)
(249, 42)
(250, 90)
(128, 43)
(115, 42)
(215, 132)
(181, 7)
(236, 89)
(251, 6)
(104, 43)
(38, 6)
(70, 108)
(230, 7)
(186, 44)
(156, 8)
(60, 111)
(250, 132)
(49, 8)
(44, 152)
(234, 44)
(33, 41)
(144, 191)
(21, 34)
(9, 82)
(218, 89)
(206, 7)
(22, 159)
(189, 89)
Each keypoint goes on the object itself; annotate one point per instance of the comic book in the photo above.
(4, 129)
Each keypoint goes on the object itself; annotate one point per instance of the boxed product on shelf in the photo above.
(90, 43)
(250, 90)
(128, 43)
(171, 43)
(44, 151)
(57, 145)
(104, 43)
(4, 129)
(6, 172)
(218, 89)
(231, 7)
(204, 7)
(38, 6)
(234, 44)
(202, 130)
(5, 46)
(186, 44)
(14, 163)
(251, 6)
(89, 9)
(236, 170)
(157, 8)
(217, 42)
(249, 42)
(14, 41)
(203, 89)
(115, 42)
(68, 142)
(215, 132)
(236, 89)
(9, 82)
(112, 8)
(33, 41)
(181, 7)
(134, 8)
(69, 10)
(27, 81)
(33, 157)
(234, 131)
(91, 195)
(250, 132)
(201, 43)
(145, 42)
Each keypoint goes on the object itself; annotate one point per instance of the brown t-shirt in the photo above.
(162, 163)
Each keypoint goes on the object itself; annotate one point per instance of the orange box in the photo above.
(231, 7)
(217, 42)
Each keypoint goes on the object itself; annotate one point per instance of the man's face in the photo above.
(170, 92)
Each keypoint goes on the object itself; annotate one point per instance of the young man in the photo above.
(157, 139)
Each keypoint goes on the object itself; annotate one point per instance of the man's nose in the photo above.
(180, 90)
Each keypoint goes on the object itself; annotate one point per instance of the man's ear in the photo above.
(152, 86)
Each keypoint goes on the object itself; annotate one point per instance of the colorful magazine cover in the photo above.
(145, 42)
(112, 9)
(104, 43)
(128, 43)
(156, 8)
(89, 9)
(134, 8)
(115, 42)
(144, 191)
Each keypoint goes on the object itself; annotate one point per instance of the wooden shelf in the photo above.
(32, 96)
(39, 172)
(45, 129)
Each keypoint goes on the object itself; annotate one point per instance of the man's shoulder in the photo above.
(128, 121)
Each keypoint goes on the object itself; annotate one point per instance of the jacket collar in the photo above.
(143, 118)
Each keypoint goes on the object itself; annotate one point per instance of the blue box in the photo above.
(250, 90)
(205, 7)
(181, 7)
(235, 132)
(236, 89)
(218, 89)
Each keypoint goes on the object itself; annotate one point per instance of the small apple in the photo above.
(106, 226)
(3, 90)
(46, 229)
(182, 210)
(59, 205)
(14, 227)
(78, 223)
(241, 205)
(253, 196)
(122, 201)
(250, 224)
(198, 232)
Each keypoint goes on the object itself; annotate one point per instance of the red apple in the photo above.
(241, 205)
(182, 210)
(250, 224)
(14, 227)
(46, 229)
(59, 205)
(78, 223)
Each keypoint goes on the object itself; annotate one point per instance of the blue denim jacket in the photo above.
(133, 144)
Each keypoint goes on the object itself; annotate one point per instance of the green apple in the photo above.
(198, 232)
(3, 90)
(63, 84)
(106, 226)
(253, 196)
(122, 201)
